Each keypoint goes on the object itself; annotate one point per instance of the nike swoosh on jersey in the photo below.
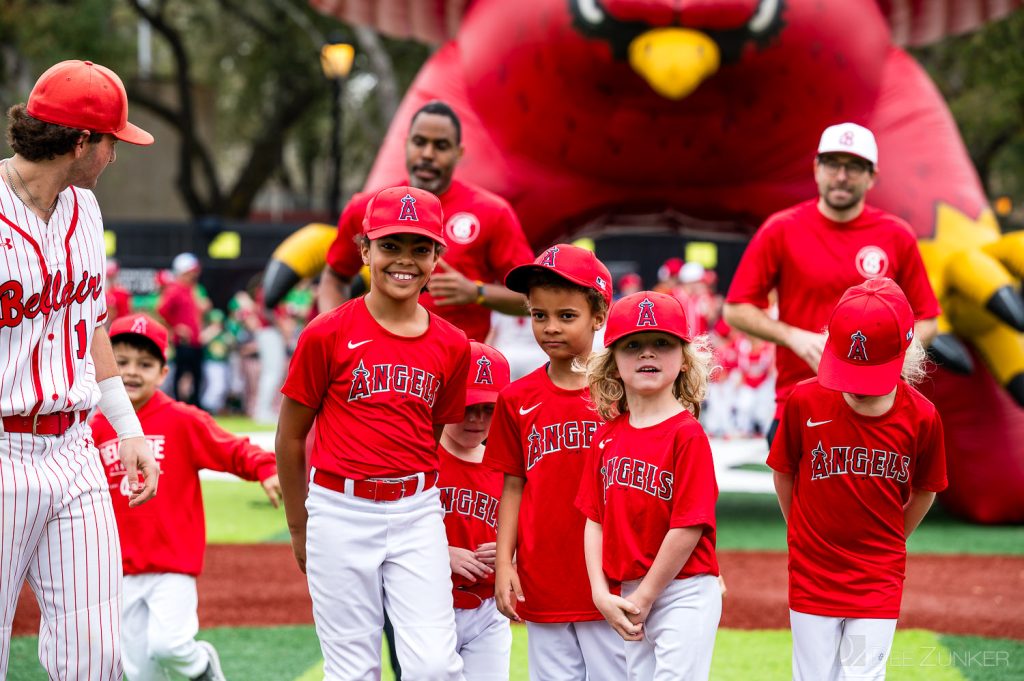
(353, 346)
(812, 424)
(524, 412)
(602, 443)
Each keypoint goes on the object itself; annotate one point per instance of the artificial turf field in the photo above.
(239, 514)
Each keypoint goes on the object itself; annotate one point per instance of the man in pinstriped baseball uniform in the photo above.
(56, 364)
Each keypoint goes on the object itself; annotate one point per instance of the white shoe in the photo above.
(213, 670)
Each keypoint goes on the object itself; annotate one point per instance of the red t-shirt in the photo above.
(853, 475)
(178, 306)
(641, 482)
(812, 260)
(541, 432)
(470, 493)
(168, 532)
(485, 241)
(377, 395)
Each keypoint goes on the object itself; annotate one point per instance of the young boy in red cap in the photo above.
(162, 542)
(649, 491)
(470, 493)
(381, 376)
(858, 459)
(543, 426)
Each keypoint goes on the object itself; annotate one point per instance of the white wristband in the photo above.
(118, 409)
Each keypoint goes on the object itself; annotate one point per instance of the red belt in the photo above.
(56, 423)
(472, 596)
(375, 489)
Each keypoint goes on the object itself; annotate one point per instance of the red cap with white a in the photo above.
(868, 336)
(646, 311)
(141, 325)
(578, 265)
(489, 373)
(404, 210)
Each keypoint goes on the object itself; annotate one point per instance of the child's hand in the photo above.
(272, 488)
(487, 553)
(299, 547)
(642, 604)
(465, 564)
(620, 613)
(507, 591)
(721, 585)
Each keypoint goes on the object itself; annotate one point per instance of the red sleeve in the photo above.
(758, 271)
(309, 371)
(216, 449)
(913, 279)
(165, 308)
(451, 402)
(504, 451)
(343, 255)
(590, 496)
(784, 456)
(930, 464)
(508, 246)
(695, 489)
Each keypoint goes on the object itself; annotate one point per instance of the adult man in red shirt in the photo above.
(485, 239)
(812, 252)
(182, 312)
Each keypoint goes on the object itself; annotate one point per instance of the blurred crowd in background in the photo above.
(233, 361)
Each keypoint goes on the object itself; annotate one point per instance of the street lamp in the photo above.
(336, 62)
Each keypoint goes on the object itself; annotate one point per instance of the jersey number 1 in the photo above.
(82, 339)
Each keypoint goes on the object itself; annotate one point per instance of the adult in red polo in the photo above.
(485, 239)
(58, 524)
(812, 252)
(181, 310)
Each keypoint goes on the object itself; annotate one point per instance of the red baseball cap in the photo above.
(141, 325)
(84, 96)
(868, 335)
(404, 210)
(646, 311)
(630, 279)
(573, 263)
(489, 373)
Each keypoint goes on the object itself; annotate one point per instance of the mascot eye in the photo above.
(765, 15)
(590, 11)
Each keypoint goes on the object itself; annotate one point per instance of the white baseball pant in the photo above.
(679, 633)
(840, 648)
(59, 532)
(484, 642)
(364, 556)
(159, 627)
(575, 651)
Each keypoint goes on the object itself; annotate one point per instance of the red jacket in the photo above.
(168, 532)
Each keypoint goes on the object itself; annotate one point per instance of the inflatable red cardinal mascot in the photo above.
(580, 110)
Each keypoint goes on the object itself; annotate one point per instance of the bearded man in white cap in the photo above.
(813, 251)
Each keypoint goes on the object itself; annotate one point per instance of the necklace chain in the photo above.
(7, 168)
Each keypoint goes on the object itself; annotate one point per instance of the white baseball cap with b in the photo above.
(849, 138)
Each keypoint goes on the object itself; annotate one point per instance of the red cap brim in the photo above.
(835, 373)
(133, 134)
(388, 230)
(478, 396)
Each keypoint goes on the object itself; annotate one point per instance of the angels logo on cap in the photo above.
(646, 317)
(549, 256)
(139, 325)
(483, 371)
(858, 347)
(408, 209)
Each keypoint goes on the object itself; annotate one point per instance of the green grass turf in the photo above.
(293, 654)
(244, 424)
(240, 513)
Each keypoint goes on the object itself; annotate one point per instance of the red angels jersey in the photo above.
(853, 475)
(812, 260)
(755, 364)
(470, 493)
(541, 432)
(485, 241)
(377, 395)
(168, 532)
(51, 299)
(641, 482)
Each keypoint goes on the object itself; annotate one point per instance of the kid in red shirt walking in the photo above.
(470, 493)
(162, 542)
(381, 376)
(649, 491)
(858, 459)
(543, 425)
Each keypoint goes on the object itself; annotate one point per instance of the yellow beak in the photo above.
(674, 61)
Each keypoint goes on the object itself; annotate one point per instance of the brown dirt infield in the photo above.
(253, 585)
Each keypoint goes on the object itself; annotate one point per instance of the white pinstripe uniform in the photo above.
(58, 525)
